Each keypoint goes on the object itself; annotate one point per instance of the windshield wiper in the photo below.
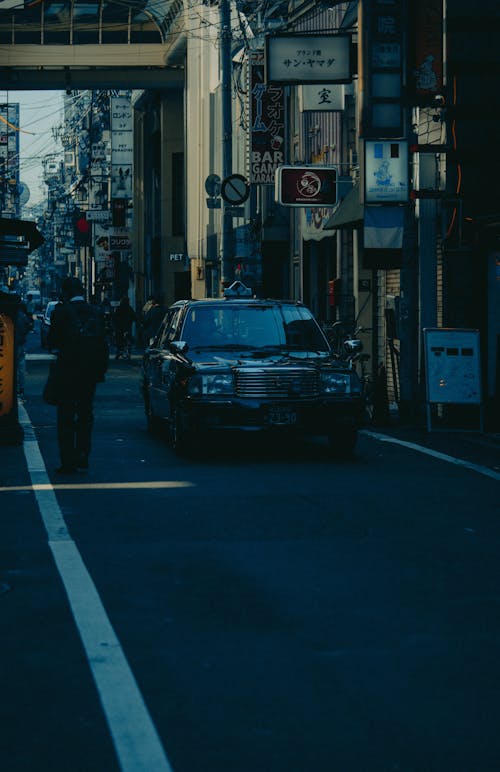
(212, 346)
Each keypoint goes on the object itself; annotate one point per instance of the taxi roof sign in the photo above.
(237, 290)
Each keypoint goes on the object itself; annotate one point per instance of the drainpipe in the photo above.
(227, 256)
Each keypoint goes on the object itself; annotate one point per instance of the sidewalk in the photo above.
(478, 448)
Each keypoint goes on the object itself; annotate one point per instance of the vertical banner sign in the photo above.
(383, 45)
(267, 123)
(9, 158)
(121, 147)
(427, 23)
(6, 364)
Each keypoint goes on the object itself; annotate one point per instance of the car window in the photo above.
(302, 330)
(253, 326)
(167, 333)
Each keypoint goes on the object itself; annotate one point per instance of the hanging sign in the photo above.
(327, 96)
(306, 185)
(308, 58)
(267, 123)
(386, 172)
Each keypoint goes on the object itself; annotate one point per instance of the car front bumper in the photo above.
(311, 416)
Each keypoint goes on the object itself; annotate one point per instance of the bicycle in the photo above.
(124, 346)
(343, 339)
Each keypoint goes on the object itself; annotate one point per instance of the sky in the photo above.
(40, 111)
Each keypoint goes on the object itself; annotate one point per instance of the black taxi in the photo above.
(245, 364)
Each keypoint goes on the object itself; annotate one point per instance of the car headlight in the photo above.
(335, 383)
(218, 383)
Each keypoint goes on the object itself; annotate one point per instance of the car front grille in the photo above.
(276, 382)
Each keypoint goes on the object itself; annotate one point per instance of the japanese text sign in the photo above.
(267, 124)
(308, 59)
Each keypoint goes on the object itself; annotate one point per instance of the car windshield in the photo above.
(254, 326)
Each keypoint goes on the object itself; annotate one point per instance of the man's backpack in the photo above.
(23, 327)
(90, 350)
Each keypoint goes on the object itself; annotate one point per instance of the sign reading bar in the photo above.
(267, 123)
(306, 185)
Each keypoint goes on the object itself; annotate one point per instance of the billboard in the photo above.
(308, 58)
(427, 28)
(386, 172)
(122, 147)
(310, 185)
(267, 124)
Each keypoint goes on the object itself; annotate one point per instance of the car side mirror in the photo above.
(353, 346)
(179, 346)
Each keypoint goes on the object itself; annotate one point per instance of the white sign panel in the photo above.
(308, 58)
(121, 147)
(98, 215)
(453, 366)
(386, 172)
(313, 221)
(328, 96)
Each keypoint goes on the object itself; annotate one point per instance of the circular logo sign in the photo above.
(309, 185)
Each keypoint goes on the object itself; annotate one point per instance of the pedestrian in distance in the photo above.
(30, 310)
(152, 319)
(123, 319)
(23, 326)
(77, 337)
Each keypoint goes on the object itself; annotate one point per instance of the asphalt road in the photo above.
(257, 608)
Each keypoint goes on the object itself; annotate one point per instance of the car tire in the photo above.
(154, 424)
(179, 438)
(342, 441)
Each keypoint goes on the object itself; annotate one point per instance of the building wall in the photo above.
(172, 133)
(203, 143)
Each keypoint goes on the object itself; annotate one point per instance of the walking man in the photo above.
(124, 318)
(77, 336)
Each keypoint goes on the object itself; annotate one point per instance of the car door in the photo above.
(161, 365)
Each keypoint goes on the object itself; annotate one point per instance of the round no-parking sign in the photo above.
(235, 189)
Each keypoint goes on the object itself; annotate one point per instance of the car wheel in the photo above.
(153, 422)
(342, 441)
(179, 437)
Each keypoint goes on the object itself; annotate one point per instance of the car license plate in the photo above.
(282, 416)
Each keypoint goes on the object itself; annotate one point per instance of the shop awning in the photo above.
(17, 239)
(349, 213)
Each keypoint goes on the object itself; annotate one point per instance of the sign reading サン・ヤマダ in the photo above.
(6, 364)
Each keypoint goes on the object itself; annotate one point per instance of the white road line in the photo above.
(435, 453)
(135, 738)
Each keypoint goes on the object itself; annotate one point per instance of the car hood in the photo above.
(223, 357)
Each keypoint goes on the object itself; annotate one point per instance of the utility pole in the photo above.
(227, 257)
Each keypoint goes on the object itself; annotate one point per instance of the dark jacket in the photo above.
(61, 340)
(152, 320)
